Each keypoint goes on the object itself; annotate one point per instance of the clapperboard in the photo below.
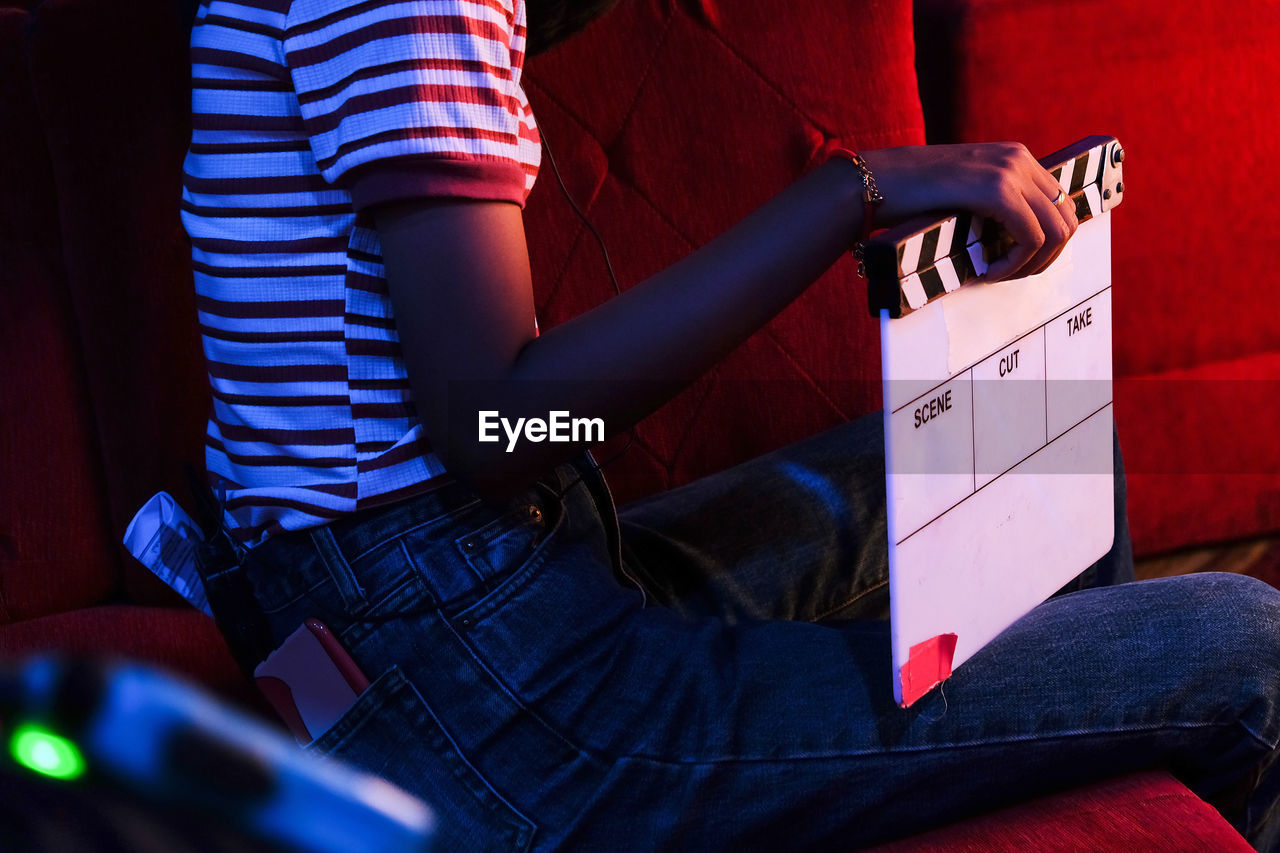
(998, 421)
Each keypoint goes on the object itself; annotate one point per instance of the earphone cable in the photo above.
(585, 221)
(631, 433)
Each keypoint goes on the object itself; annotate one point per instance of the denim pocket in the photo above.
(502, 551)
(503, 544)
(391, 732)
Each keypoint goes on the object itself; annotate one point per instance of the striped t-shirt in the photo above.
(306, 114)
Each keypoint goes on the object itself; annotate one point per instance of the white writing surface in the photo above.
(998, 449)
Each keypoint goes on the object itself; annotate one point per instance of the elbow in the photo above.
(479, 449)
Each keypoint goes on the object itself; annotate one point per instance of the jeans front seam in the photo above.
(832, 611)
(927, 748)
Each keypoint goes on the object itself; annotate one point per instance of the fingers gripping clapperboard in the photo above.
(998, 421)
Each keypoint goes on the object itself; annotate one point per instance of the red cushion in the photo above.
(55, 552)
(1142, 813)
(111, 80)
(704, 114)
(182, 641)
(1201, 451)
(1190, 94)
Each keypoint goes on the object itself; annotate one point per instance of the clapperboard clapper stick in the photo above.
(998, 421)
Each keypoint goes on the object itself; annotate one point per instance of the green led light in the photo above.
(45, 752)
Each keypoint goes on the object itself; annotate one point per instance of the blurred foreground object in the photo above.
(119, 757)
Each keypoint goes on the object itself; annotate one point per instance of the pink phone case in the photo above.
(310, 680)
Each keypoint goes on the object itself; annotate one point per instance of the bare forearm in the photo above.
(676, 324)
(625, 358)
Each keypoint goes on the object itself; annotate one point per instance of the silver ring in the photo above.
(1060, 197)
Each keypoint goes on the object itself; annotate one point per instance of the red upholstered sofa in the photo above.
(670, 119)
(1191, 94)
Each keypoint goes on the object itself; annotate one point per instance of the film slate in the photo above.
(998, 421)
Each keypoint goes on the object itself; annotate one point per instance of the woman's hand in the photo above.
(999, 181)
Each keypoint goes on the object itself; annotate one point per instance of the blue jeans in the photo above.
(708, 669)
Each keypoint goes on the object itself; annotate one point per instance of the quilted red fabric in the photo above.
(704, 113)
(55, 548)
(1191, 95)
(111, 89)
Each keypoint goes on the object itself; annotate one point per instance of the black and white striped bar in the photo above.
(938, 258)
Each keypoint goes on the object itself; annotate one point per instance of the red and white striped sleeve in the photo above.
(410, 98)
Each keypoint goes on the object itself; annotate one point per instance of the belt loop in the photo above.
(343, 578)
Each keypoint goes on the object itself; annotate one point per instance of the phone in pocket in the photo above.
(310, 680)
